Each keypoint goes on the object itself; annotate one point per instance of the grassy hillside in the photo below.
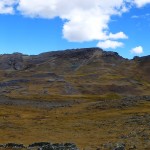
(106, 99)
(79, 72)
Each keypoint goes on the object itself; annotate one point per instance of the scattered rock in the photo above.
(57, 146)
(2, 145)
(41, 146)
(14, 145)
(119, 146)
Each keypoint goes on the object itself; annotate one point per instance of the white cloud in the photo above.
(110, 44)
(141, 3)
(137, 50)
(119, 35)
(86, 20)
(7, 6)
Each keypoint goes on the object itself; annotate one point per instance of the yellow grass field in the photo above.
(86, 126)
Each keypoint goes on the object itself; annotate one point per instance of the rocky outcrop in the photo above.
(12, 61)
(142, 59)
(41, 146)
(12, 146)
(63, 146)
(111, 54)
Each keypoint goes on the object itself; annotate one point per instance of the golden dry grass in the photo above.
(88, 128)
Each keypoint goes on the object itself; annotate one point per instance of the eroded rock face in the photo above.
(12, 61)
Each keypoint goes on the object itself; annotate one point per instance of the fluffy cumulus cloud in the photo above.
(110, 44)
(137, 50)
(7, 6)
(84, 20)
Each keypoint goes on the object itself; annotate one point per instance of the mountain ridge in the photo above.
(13, 59)
(70, 50)
(77, 71)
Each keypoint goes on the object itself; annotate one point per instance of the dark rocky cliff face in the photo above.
(11, 61)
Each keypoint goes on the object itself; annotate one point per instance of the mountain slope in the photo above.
(90, 97)
(82, 72)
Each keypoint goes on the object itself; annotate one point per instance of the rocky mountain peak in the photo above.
(111, 54)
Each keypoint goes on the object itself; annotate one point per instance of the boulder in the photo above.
(119, 146)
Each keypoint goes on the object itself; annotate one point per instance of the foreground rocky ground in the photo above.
(117, 124)
(57, 146)
(40, 146)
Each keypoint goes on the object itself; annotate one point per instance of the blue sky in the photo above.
(33, 28)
